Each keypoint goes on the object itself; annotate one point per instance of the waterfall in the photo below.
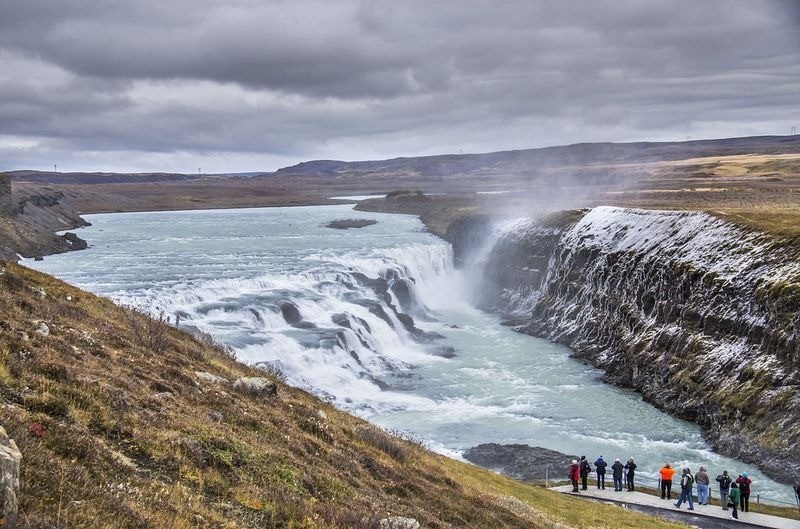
(337, 329)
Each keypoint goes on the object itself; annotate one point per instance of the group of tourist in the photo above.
(580, 471)
(734, 494)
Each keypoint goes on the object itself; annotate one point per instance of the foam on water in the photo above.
(232, 273)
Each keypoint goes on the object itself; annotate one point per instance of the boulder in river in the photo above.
(75, 242)
(346, 224)
(291, 313)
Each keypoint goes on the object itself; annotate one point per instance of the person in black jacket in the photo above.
(600, 467)
(616, 473)
(585, 469)
(724, 481)
(630, 467)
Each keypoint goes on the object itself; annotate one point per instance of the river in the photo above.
(325, 307)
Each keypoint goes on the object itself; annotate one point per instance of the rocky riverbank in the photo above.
(29, 220)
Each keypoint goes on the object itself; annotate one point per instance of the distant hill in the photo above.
(50, 177)
(528, 161)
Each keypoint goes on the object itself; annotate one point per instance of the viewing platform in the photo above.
(708, 516)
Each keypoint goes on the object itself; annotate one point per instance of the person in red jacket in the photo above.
(744, 492)
(574, 474)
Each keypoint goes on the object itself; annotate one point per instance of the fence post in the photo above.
(547, 477)
(758, 499)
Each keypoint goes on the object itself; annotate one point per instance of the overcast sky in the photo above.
(247, 85)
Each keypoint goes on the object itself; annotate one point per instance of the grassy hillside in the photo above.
(122, 425)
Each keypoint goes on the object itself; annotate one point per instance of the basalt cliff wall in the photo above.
(698, 315)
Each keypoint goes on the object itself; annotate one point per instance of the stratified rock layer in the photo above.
(698, 315)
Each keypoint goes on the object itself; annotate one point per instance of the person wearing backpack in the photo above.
(585, 469)
(734, 496)
(687, 481)
(744, 492)
(724, 481)
(600, 466)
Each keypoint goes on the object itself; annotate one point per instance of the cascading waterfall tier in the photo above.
(337, 330)
(697, 314)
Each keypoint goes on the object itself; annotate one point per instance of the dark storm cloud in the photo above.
(352, 79)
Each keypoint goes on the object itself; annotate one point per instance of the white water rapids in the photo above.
(326, 307)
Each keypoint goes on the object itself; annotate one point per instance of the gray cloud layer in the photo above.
(248, 84)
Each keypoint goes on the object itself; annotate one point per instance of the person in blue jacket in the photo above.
(600, 467)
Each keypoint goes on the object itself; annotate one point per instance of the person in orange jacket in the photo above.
(666, 473)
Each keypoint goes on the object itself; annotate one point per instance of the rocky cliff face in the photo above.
(29, 218)
(5, 192)
(698, 315)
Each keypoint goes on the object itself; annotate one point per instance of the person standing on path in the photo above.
(702, 480)
(687, 481)
(574, 474)
(734, 496)
(600, 467)
(630, 467)
(666, 473)
(724, 481)
(585, 469)
(744, 492)
(616, 473)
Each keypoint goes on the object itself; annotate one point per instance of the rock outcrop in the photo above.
(700, 316)
(10, 460)
(5, 193)
(399, 522)
(521, 462)
(346, 224)
(257, 386)
(29, 218)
